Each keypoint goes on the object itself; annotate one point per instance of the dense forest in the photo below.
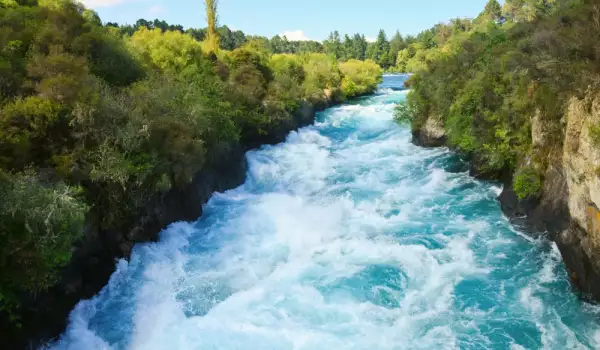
(383, 51)
(95, 119)
(485, 80)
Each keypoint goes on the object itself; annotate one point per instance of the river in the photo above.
(346, 236)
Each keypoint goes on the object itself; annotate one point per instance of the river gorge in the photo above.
(345, 236)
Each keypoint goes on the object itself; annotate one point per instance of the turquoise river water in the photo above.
(346, 236)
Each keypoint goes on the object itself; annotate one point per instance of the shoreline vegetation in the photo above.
(515, 91)
(483, 80)
(98, 121)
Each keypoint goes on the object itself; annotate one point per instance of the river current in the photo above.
(346, 236)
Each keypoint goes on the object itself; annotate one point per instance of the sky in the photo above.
(298, 19)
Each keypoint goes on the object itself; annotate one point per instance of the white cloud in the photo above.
(370, 39)
(294, 35)
(156, 10)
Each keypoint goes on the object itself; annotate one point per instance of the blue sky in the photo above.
(312, 19)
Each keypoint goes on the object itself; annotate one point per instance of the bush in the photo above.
(403, 113)
(285, 91)
(170, 51)
(527, 183)
(39, 223)
(323, 77)
(249, 75)
(30, 129)
(359, 77)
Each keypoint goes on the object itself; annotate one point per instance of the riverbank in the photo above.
(565, 208)
(45, 315)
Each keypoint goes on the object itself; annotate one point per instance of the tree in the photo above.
(396, 44)
(212, 36)
(333, 45)
(168, 51)
(380, 50)
(347, 48)
(360, 77)
(493, 9)
(143, 23)
(310, 46)
(359, 46)
(491, 12)
(527, 10)
(278, 44)
(92, 17)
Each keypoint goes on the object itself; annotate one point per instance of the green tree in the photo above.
(347, 48)
(168, 51)
(492, 11)
(360, 77)
(396, 44)
(380, 50)
(333, 45)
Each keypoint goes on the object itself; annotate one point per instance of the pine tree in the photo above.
(380, 50)
(493, 10)
(347, 49)
(333, 44)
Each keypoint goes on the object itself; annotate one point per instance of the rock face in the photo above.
(567, 209)
(94, 259)
(580, 244)
(431, 134)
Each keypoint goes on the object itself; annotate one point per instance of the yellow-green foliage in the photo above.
(211, 43)
(8, 3)
(25, 124)
(288, 77)
(323, 77)
(360, 77)
(166, 51)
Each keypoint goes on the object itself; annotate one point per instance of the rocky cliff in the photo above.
(567, 207)
(580, 243)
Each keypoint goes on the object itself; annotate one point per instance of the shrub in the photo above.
(403, 113)
(285, 90)
(360, 77)
(39, 223)
(323, 77)
(30, 129)
(169, 51)
(527, 183)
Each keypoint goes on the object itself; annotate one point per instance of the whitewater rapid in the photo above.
(346, 236)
